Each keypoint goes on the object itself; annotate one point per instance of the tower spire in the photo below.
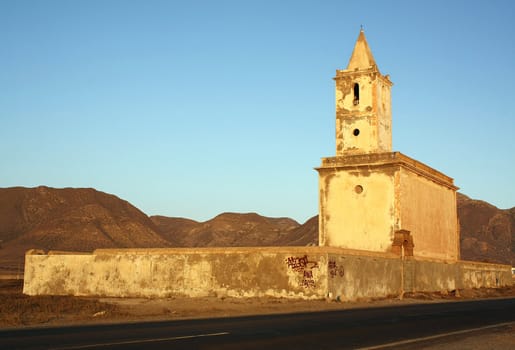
(362, 57)
(363, 111)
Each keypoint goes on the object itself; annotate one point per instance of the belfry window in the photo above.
(356, 94)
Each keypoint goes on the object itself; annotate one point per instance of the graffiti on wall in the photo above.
(335, 269)
(304, 267)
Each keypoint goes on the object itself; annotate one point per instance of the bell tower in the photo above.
(363, 104)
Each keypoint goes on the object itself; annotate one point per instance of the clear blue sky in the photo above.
(193, 108)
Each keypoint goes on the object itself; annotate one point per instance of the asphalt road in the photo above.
(348, 329)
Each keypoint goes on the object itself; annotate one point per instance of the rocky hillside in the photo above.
(227, 230)
(85, 219)
(79, 219)
(487, 233)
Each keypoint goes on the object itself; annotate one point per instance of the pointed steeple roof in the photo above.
(362, 57)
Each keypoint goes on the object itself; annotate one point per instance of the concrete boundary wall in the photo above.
(287, 272)
(484, 275)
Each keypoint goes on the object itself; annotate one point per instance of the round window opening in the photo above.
(358, 189)
(356, 132)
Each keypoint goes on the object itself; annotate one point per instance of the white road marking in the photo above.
(141, 341)
(416, 340)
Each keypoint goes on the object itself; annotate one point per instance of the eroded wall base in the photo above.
(287, 272)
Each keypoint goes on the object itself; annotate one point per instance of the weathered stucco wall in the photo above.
(370, 114)
(476, 274)
(352, 277)
(289, 272)
(237, 272)
(430, 276)
(356, 208)
(428, 210)
(365, 199)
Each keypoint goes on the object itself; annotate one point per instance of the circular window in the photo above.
(356, 132)
(358, 189)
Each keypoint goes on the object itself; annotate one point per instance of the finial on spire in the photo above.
(361, 28)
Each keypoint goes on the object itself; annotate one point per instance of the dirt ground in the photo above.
(18, 310)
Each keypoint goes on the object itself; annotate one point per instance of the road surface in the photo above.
(399, 327)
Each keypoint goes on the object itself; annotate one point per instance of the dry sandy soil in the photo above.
(18, 310)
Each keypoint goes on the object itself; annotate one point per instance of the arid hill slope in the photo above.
(487, 233)
(227, 230)
(85, 219)
(76, 219)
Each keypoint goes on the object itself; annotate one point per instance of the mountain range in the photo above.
(84, 219)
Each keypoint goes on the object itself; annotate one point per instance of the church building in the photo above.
(388, 226)
(372, 198)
